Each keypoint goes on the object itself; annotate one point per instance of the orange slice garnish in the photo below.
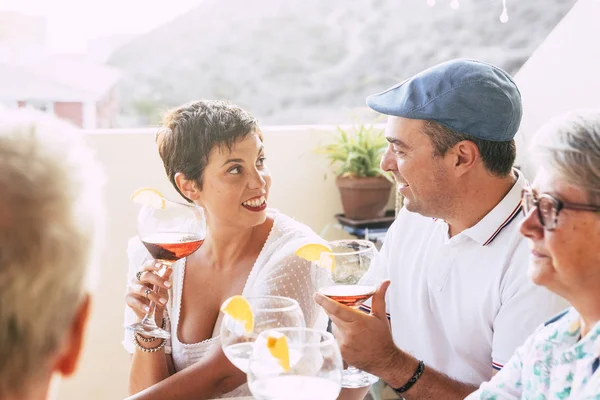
(278, 347)
(149, 197)
(238, 308)
(317, 253)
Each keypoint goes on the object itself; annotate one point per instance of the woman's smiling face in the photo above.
(236, 183)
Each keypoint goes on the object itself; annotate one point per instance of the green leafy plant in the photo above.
(357, 152)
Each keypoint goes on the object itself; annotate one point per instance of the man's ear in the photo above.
(66, 363)
(188, 187)
(465, 156)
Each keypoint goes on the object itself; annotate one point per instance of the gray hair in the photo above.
(570, 144)
(51, 220)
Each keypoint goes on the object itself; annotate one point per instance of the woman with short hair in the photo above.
(214, 156)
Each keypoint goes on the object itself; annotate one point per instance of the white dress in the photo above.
(277, 271)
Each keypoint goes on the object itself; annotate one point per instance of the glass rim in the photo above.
(328, 336)
(294, 303)
(180, 203)
(369, 247)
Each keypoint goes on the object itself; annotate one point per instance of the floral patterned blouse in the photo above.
(554, 363)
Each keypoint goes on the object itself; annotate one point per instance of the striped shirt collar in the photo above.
(505, 212)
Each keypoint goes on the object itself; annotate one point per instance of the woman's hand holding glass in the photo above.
(139, 293)
(170, 231)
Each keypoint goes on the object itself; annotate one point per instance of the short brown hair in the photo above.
(498, 157)
(191, 131)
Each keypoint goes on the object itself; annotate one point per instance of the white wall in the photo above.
(131, 161)
(89, 115)
(562, 74)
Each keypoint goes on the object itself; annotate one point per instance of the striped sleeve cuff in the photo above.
(367, 310)
(497, 366)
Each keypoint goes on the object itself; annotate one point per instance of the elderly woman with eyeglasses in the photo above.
(561, 359)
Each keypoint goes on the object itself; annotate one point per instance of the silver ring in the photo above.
(147, 293)
(138, 275)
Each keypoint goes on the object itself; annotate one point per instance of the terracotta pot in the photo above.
(364, 198)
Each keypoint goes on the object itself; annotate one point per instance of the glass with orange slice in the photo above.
(244, 318)
(170, 231)
(295, 364)
(342, 271)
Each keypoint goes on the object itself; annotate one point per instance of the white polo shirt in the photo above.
(463, 304)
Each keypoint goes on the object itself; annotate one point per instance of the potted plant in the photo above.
(355, 154)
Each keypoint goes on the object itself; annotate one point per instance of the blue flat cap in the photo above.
(468, 96)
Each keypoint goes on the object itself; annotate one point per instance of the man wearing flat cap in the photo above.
(459, 301)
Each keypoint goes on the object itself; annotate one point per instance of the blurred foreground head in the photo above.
(51, 217)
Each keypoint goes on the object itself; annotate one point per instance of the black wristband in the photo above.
(413, 379)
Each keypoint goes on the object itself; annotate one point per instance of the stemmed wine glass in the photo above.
(345, 275)
(269, 312)
(315, 366)
(169, 232)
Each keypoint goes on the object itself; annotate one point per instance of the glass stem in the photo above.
(351, 369)
(150, 318)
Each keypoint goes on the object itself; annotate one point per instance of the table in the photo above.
(371, 229)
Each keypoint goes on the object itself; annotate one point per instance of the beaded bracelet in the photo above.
(144, 339)
(151, 350)
(412, 380)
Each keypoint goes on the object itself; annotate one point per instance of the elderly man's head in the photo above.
(563, 222)
(50, 214)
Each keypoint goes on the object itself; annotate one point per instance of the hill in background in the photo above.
(315, 61)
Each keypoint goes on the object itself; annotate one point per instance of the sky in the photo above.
(72, 23)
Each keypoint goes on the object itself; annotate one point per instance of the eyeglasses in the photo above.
(548, 207)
